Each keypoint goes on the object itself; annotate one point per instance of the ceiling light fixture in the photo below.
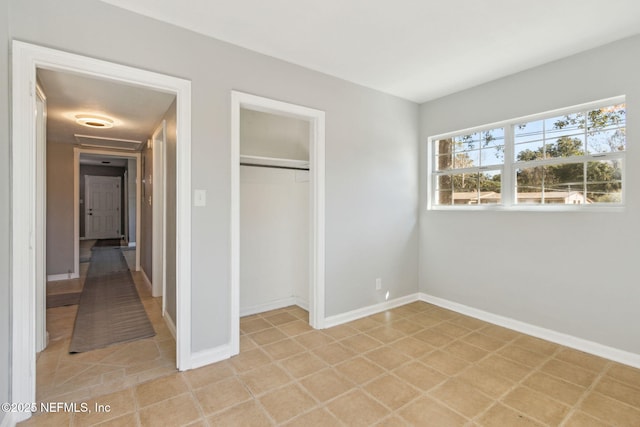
(93, 121)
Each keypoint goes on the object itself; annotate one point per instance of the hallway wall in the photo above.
(60, 201)
(170, 202)
(131, 190)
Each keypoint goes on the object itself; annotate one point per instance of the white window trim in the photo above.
(508, 187)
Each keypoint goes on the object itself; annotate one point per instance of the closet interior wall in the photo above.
(274, 212)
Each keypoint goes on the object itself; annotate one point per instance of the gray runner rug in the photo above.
(110, 310)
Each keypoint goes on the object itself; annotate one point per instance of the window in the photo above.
(574, 157)
(469, 168)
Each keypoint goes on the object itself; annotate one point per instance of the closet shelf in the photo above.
(274, 162)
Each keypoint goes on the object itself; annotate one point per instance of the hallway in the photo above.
(75, 377)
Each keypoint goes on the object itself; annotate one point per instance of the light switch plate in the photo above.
(199, 197)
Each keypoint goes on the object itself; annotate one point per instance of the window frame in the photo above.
(510, 165)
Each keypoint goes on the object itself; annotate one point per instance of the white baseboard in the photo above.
(223, 352)
(172, 327)
(146, 279)
(339, 319)
(11, 419)
(303, 304)
(207, 357)
(272, 305)
(581, 344)
(65, 276)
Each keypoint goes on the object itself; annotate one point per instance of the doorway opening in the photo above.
(28, 198)
(304, 167)
(99, 164)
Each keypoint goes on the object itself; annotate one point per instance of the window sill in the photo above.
(524, 208)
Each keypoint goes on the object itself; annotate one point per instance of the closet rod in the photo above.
(274, 167)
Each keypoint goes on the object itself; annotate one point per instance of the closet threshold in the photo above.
(274, 162)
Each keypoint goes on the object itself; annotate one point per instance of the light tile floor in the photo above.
(414, 365)
(64, 377)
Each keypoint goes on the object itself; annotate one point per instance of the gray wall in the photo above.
(60, 245)
(271, 135)
(131, 202)
(170, 220)
(571, 272)
(5, 205)
(371, 164)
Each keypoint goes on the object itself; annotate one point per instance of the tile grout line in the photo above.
(499, 399)
(576, 407)
(370, 328)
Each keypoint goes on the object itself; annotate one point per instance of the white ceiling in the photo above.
(136, 111)
(415, 49)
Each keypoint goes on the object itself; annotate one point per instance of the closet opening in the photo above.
(277, 210)
(274, 212)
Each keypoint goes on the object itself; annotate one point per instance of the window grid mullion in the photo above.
(586, 125)
(508, 184)
(542, 190)
(572, 159)
(584, 180)
(544, 138)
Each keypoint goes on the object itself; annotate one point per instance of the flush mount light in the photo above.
(92, 121)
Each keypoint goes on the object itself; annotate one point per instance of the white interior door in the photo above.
(102, 207)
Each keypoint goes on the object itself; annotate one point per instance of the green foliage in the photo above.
(605, 132)
(603, 129)
(467, 182)
(595, 120)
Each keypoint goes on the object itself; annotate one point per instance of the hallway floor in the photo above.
(415, 365)
(64, 377)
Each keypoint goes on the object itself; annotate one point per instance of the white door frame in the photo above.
(125, 201)
(42, 336)
(77, 153)
(26, 199)
(159, 209)
(316, 120)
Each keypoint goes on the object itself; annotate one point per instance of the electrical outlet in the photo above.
(378, 284)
